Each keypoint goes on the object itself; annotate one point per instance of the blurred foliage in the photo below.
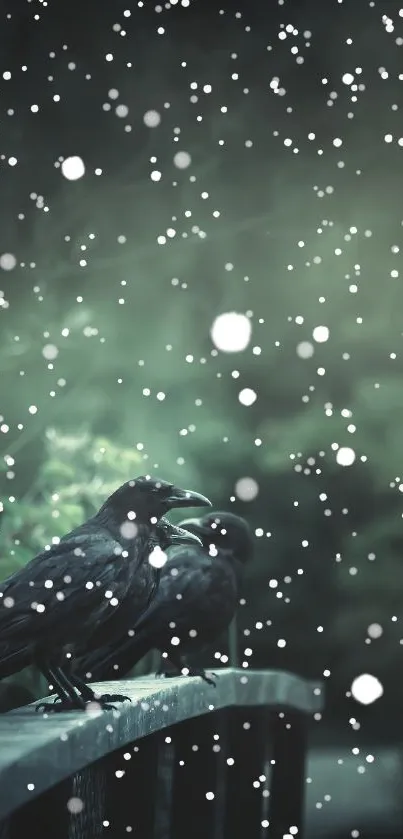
(77, 474)
(134, 384)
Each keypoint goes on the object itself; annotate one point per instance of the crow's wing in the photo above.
(204, 591)
(61, 589)
(185, 585)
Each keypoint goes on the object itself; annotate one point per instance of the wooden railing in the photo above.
(183, 760)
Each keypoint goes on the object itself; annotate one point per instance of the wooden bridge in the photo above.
(183, 760)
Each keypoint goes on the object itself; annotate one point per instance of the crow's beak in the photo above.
(185, 498)
(179, 536)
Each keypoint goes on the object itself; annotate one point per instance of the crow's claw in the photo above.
(211, 679)
(111, 697)
(59, 707)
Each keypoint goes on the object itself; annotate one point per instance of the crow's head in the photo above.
(225, 531)
(146, 499)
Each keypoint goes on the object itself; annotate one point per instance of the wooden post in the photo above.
(199, 777)
(248, 742)
(73, 809)
(233, 642)
(288, 787)
(131, 789)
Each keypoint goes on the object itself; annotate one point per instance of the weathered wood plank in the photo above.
(42, 751)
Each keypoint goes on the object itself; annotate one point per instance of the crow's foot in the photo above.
(103, 703)
(210, 679)
(111, 697)
(60, 705)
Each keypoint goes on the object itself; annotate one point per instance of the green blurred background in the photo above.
(105, 319)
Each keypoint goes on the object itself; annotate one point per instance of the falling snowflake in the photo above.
(231, 332)
(345, 456)
(73, 168)
(366, 689)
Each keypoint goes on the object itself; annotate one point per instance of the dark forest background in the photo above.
(289, 212)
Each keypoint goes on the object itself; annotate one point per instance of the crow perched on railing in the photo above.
(195, 601)
(76, 593)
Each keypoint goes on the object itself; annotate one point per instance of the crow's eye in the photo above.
(162, 489)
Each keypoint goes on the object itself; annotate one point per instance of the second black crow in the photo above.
(195, 602)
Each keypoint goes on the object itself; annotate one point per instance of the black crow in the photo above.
(195, 601)
(75, 593)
